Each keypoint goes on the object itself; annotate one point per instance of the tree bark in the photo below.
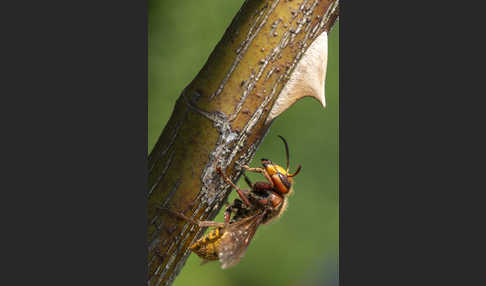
(219, 120)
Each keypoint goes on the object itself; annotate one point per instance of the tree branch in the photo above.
(220, 120)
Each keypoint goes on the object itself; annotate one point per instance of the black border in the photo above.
(75, 78)
(409, 127)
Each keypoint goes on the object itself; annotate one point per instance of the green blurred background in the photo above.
(302, 247)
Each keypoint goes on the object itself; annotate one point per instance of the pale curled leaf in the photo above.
(308, 78)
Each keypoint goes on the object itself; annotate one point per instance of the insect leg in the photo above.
(200, 223)
(204, 223)
(227, 213)
(247, 180)
(261, 171)
(256, 170)
(258, 185)
(240, 192)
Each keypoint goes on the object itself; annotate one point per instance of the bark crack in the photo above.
(172, 140)
(240, 52)
(216, 117)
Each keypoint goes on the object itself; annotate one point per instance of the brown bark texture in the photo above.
(219, 120)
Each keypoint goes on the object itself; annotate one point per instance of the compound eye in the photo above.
(284, 181)
(266, 162)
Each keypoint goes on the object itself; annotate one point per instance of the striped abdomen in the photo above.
(207, 246)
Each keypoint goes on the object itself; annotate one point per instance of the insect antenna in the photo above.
(286, 151)
(288, 158)
(296, 172)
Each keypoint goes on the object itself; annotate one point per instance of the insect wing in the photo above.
(236, 239)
